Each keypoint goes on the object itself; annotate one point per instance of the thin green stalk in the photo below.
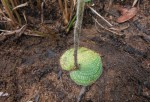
(77, 29)
(71, 24)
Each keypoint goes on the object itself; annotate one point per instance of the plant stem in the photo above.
(77, 29)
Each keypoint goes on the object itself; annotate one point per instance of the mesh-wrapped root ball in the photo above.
(90, 66)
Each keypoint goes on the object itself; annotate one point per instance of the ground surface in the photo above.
(29, 65)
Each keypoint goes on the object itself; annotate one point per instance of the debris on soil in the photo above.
(17, 32)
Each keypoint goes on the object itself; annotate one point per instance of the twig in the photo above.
(104, 27)
(134, 3)
(77, 29)
(18, 31)
(120, 27)
(24, 16)
(21, 5)
(82, 92)
(34, 33)
(21, 31)
(101, 16)
(42, 11)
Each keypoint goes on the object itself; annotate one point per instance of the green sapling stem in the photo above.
(77, 29)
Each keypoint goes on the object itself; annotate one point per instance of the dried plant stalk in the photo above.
(9, 11)
(13, 2)
(67, 13)
(16, 2)
(74, 2)
(71, 8)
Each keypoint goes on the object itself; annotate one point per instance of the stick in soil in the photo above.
(77, 29)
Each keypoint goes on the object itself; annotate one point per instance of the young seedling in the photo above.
(77, 29)
(90, 67)
(84, 65)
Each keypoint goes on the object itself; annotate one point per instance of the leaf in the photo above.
(127, 14)
(90, 66)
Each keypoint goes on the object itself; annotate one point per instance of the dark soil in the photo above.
(29, 66)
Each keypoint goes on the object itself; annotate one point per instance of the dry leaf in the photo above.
(127, 14)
